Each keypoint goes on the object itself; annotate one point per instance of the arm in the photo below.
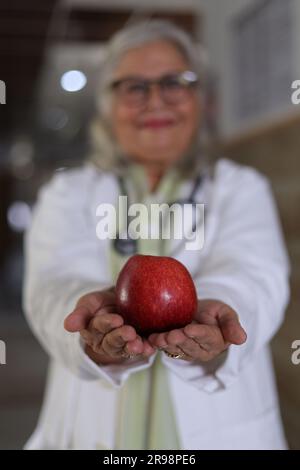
(247, 270)
(63, 263)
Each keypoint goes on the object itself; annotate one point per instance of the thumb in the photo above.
(231, 328)
(78, 319)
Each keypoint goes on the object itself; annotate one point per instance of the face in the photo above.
(156, 133)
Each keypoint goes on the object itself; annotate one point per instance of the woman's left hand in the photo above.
(215, 327)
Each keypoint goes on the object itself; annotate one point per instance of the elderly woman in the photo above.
(208, 385)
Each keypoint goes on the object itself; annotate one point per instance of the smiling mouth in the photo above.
(157, 123)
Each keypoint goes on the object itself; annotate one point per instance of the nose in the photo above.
(154, 97)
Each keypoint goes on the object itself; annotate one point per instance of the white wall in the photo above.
(219, 14)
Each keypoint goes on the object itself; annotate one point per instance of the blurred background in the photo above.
(50, 60)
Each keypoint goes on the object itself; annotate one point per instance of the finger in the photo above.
(209, 338)
(158, 340)
(105, 322)
(195, 350)
(86, 307)
(78, 319)
(191, 349)
(138, 347)
(203, 334)
(170, 348)
(87, 337)
(231, 328)
(175, 337)
(148, 348)
(114, 342)
(152, 339)
(135, 347)
(97, 300)
(204, 317)
(99, 325)
(169, 342)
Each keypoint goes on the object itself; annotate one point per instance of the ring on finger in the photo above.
(126, 355)
(174, 356)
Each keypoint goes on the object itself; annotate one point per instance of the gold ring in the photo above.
(127, 355)
(174, 356)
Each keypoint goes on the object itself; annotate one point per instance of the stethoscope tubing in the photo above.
(127, 246)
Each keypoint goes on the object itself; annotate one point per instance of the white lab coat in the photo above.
(230, 405)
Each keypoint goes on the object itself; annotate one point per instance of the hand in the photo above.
(107, 339)
(215, 327)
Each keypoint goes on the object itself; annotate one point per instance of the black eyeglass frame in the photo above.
(188, 78)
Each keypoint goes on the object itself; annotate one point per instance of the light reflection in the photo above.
(19, 216)
(73, 80)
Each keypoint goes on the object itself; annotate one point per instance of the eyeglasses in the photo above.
(173, 88)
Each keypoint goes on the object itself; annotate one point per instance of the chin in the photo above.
(161, 158)
(166, 152)
(158, 144)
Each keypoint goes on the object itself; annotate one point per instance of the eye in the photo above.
(171, 83)
(134, 87)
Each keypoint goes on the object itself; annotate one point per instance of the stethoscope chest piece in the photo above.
(125, 246)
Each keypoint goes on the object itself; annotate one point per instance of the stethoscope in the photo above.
(127, 246)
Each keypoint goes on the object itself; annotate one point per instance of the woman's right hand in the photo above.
(107, 339)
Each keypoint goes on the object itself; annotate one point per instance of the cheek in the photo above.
(190, 113)
(123, 120)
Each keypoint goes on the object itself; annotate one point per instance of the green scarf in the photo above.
(145, 416)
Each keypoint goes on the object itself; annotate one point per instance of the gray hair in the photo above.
(106, 153)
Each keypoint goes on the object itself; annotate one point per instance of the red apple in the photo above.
(155, 294)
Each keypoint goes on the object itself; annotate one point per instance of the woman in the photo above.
(209, 385)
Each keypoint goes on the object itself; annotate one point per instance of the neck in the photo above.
(154, 175)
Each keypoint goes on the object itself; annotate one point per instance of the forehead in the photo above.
(151, 59)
